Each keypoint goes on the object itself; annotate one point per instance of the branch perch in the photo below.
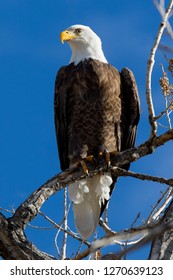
(30, 207)
(26, 212)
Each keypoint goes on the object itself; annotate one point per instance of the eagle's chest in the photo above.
(92, 121)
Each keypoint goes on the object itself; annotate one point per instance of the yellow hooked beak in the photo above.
(66, 36)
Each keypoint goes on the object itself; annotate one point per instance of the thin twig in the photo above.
(167, 113)
(135, 220)
(163, 126)
(8, 211)
(163, 112)
(127, 243)
(56, 243)
(64, 246)
(61, 228)
(40, 228)
(105, 227)
(166, 193)
(163, 206)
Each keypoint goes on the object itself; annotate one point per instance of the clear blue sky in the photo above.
(30, 56)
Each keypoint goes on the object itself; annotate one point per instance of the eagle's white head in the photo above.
(84, 43)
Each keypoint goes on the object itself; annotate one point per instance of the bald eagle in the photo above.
(96, 110)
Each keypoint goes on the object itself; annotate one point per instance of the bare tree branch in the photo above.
(143, 234)
(150, 65)
(121, 172)
(64, 247)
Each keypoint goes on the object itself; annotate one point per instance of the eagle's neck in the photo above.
(80, 52)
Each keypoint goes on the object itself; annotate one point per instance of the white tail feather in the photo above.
(87, 195)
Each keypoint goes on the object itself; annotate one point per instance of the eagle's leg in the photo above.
(84, 167)
(114, 153)
(89, 158)
(104, 153)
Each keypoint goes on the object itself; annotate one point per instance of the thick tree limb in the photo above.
(15, 246)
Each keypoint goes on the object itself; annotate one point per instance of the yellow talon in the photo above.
(105, 155)
(84, 167)
(107, 158)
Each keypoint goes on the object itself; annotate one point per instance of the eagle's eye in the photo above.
(78, 30)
